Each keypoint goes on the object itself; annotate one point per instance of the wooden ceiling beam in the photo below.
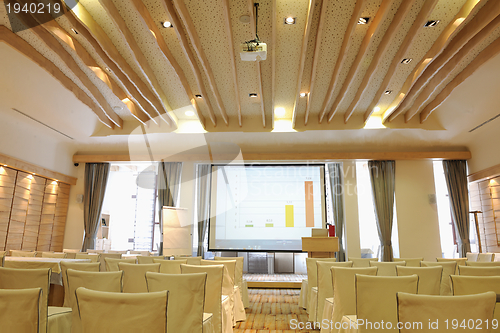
(382, 13)
(303, 56)
(317, 49)
(444, 72)
(435, 50)
(149, 23)
(27, 50)
(463, 39)
(176, 22)
(417, 25)
(140, 59)
(52, 43)
(489, 52)
(382, 48)
(183, 12)
(229, 31)
(349, 33)
(273, 58)
(85, 25)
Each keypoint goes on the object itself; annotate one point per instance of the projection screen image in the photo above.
(265, 208)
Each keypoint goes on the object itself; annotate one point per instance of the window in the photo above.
(368, 232)
(130, 202)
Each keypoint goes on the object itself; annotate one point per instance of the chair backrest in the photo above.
(410, 262)
(95, 251)
(16, 278)
(112, 264)
(471, 256)
(93, 257)
(486, 257)
(312, 272)
(479, 271)
(145, 259)
(120, 312)
(229, 264)
(19, 253)
(387, 268)
(228, 278)
(483, 264)
(2, 257)
(418, 312)
(103, 256)
(376, 298)
(325, 281)
(100, 281)
(119, 252)
(459, 261)
(77, 266)
(344, 295)
(170, 266)
(429, 278)
(142, 253)
(468, 285)
(362, 262)
(190, 260)
(20, 310)
(238, 270)
(449, 268)
(213, 294)
(54, 255)
(134, 276)
(187, 292)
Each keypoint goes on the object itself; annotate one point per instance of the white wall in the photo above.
(351, 210)
(73, 234)
(418, 224)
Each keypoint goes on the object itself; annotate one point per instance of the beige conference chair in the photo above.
(146, 259)
(429, 278)
(362, 262)
(449, 268)
(92, 257)
(479, 271)
(141, 253)
(104, 312)
(483, 264)
(95, 251)
(344, 295)
(190, 260)
(376, 299)
(410, 262)
(486, 257)
(471, 256)
(418, 312)
(387, 268)
(186, 298)
(469, 285)
(60, 255)
(71, 253)
(103, 256)
(77, 266)
(117, 252)
(170, 266)
(312, 279)
(239, 278)
(134, 276)
(215, 303)
(20, 310)
(99, 281)
(459, 261)
(112, 263)
(52, 319)
(325, 286)
(2, 257)
(19, 253)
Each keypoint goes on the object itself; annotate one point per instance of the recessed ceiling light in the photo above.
(290, 20)
(279, 112)
(406, 61)
(388, 92)
(303, 94)
(431, 23)
(363, 20)
(74, 31)
(189, 113)
(252, 95)
(167, 24)
(197, 96)
(108, 69)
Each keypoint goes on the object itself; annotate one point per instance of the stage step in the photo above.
(274, 284)
(274, 281)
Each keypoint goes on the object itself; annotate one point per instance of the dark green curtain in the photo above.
(96, 178)
(337, 197)
(169, 180)
(382, 177)
(455, 172)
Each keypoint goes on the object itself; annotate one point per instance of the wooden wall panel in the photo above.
(48, 214)
(19, 211)
(7, 184)
(34, 214)
(61, 211)
(485, 197)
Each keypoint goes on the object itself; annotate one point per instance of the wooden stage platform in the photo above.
(274, 281)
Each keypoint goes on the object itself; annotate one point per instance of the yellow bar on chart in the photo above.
(289, 216)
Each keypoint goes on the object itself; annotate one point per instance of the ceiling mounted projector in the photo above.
(254, 50)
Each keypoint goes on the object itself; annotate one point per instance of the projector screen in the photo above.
(265, 207)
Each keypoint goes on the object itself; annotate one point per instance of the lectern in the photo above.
(320, 247)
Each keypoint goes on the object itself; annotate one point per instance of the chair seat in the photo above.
(59, 319)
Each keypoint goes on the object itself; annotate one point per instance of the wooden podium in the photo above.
(320, 247)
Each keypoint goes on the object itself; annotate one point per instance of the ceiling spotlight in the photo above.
(252, 95)
(189, 113)
(431, 23)
(406, 61)
(363, 20)
(74, 31)
(279, 112)
(197, 96)
(167, 24)
(303, 94)
(108, 69)
(388, 92)
(290, 20)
